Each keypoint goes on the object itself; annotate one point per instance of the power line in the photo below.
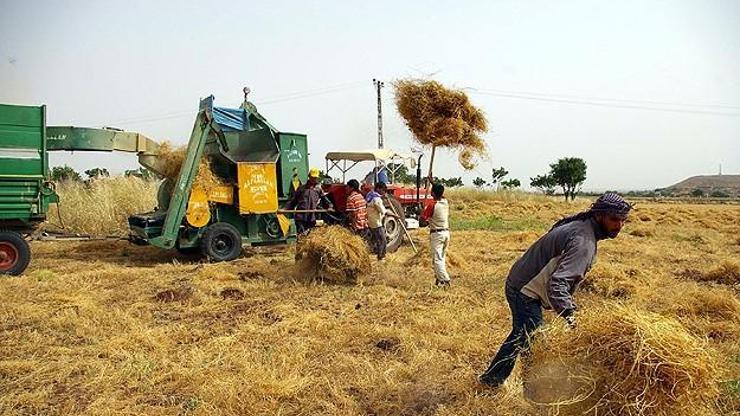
(591, 98)
(602, 104)
(270, 100)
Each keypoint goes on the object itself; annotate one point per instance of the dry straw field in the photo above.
(107, 328)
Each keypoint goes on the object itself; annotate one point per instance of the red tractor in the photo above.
(403, 200)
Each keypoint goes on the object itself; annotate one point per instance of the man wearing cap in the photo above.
(308, 197)
(548, 274)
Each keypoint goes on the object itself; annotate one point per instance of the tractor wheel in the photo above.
(15, 254)
(221, 242)
(394, 226)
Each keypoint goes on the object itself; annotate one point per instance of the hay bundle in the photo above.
(333, 254)
(439, 116)
(639, 362)
(171, 160)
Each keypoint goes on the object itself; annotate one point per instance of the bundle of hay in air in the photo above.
(439, 116)
(333, 254)
(171, 160)
(635, 362)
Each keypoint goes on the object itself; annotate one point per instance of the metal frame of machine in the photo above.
(256, 163)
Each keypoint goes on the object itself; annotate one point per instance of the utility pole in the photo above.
(378, 85)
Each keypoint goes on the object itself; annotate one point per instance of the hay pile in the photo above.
(332, 254)
(638, 363)
(101, 207)
(171, 160)
(439, 116)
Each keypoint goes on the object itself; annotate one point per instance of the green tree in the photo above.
(64, 173)
(449, 182)
(142, 173)
(545, 183)
(479, 182)
(511, 183)
(497, 175)
(402, 174)
(569, 173)
(97, 173)
(697, 193)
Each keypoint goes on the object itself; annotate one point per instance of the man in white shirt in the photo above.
(437, 214)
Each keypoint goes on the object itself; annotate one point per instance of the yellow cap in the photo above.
(313, 173)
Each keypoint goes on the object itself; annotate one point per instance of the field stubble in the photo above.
(109, 328)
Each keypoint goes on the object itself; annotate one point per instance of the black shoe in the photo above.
(444, 284)
(485, 387)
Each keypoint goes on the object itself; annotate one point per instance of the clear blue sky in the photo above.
(554, 78)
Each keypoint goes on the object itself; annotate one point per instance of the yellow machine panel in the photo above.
(198, 213)
(257, 188)
(223, 194)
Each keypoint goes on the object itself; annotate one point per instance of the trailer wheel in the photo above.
(221, 242)
(15, 254)
(394, 226)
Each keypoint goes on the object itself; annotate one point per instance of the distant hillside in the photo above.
(706, 185)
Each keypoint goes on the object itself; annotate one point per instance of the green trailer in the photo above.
(25, 191)
(256, 164)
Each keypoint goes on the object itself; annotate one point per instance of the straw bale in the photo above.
(172, 158)
(333, 254)
(439, 116)
(638, 363)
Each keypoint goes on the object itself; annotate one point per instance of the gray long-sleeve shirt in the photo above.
(553, 267)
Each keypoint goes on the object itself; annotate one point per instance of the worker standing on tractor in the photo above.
(376, 213)
(308, 197)
(437, 214)
(548, 274)
(357, 209)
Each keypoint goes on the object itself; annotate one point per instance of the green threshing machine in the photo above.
(255, 163)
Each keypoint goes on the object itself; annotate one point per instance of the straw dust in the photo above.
(171, 160)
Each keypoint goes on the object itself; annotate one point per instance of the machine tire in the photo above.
(221, 242)
(15, 254)
(394, 226)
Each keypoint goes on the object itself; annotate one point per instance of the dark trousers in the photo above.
(526, 316)
(303, 227)
(378, 241)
